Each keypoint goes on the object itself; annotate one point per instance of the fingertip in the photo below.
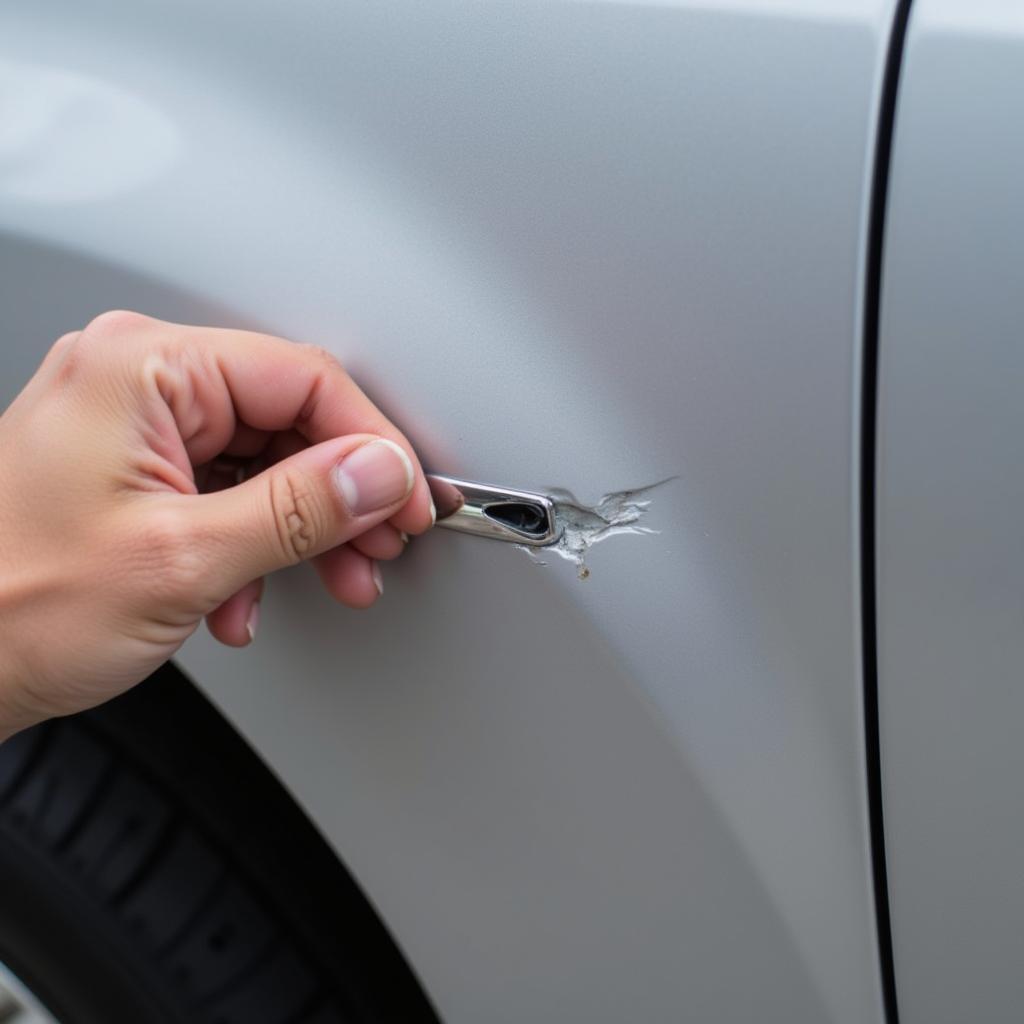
(383, 542)
(417, 515)
(221, 635)
(349, 576)
(406, 461)
(235, 622)
(253, 620)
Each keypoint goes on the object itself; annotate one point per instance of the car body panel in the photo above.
(585, 245)
(950, 491)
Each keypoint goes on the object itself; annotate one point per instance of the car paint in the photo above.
(564, 244)
(950, 491)
(18, 1004)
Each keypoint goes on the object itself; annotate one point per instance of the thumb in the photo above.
(300, 507)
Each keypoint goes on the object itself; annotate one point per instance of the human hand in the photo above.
(122, 519)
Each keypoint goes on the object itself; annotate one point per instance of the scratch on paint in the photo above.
(584, 525)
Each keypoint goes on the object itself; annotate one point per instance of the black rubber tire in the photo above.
(152, 871)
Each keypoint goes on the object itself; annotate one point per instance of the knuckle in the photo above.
(61, 351)
(174, 561)
(115, 324)
(297, 518)
(325, 359)
(103, 344)
(327, 368)
(63, 343)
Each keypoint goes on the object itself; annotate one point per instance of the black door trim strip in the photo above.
(868, 455)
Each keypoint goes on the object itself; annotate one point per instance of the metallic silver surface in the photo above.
(18, 1005)
(950, 505)
(483, 510)
(634, 232)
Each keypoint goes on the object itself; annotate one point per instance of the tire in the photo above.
(152, 871)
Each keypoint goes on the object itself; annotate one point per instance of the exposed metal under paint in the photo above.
(583, 525)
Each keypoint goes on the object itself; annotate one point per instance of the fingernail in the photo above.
(253, 621)
(433, 513)
(404, 536)
(374, 476)
(378, 580)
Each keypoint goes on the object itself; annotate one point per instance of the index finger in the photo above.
(274, 385)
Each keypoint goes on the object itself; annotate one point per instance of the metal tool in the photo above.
(519, 517)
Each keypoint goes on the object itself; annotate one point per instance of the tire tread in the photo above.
(178, 898)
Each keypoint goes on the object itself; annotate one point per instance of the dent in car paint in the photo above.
(583, 525)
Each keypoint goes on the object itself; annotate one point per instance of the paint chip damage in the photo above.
(583, 525)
